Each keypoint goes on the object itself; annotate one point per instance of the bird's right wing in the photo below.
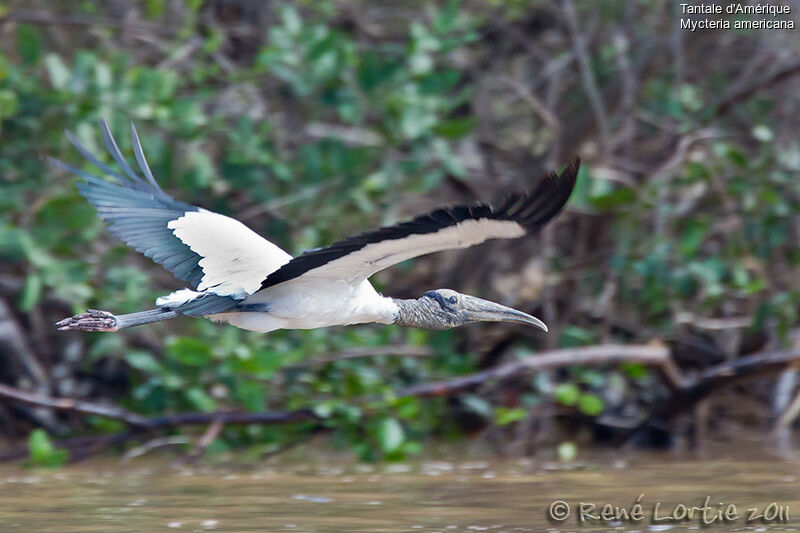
(356, 258)
(214, 253)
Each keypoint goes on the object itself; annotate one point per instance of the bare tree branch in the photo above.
(587, 74)
(733, 100)
(654, 355)
(71, 404)
(56, 19)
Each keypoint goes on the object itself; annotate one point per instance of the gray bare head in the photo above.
(446, 308)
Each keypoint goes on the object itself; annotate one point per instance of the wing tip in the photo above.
(547, 199)
(104, 127)
(561, 183)
(53, 161)
(132, 180)
(572, 169)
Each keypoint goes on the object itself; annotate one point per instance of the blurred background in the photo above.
(312, 121)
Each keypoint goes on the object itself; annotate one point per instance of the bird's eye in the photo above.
(452, 299)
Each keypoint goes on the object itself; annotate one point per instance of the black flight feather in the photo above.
(531, 211)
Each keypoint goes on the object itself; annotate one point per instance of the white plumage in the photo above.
(177, 298)
(378, 256)
(234, 258)
(309, 304)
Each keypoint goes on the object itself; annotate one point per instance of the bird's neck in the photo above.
(420, 313)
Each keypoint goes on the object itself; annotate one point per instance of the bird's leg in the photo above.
(91, 320)
(94, 320)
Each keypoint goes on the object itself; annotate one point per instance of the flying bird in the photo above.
(238, 277)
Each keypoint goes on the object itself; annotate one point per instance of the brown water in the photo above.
(428, 496)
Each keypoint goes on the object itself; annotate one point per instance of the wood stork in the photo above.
(242, 279)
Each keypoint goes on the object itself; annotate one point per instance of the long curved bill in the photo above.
(478, 310)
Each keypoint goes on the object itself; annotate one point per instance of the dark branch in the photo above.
(732, 101)
(653, 355)
(71, 404)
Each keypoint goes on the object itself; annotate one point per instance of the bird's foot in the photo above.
(91, 320)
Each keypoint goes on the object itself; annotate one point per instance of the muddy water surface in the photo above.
(458, 496)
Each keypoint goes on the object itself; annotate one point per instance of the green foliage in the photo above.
(567, 451)
(505, 415)
(567, 394)
(570, 394)
(316, 132)
(390, 436)
(42, 452)
(590, 404)
(687, 263)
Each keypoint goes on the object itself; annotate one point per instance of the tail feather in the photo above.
(192, 303)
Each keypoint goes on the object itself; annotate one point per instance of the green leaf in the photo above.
(291, 20)
(9, 103)
(455, 128)
(412, 448)
(190, 352)
(390, 435)
(420, 63)
(613, 199)
(576, 336)
(28, 45)
(737, 157)
(408, 408)
(446, 18)
(635, 370)
(762, 133)
(593, 378)
(42, 452)
(103, 76)
(691, 97)
(477, 405)
(202, 169)
(567, 451)
(31, 292)
(57, 70)
(252, 395)
(323, 409)
(590, 404)
(505, 416)
(144, 361)
(567, 394)
(415, 121)
(693, 236)
(198, 397)
(155, 8)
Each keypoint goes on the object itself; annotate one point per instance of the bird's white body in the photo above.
(236, 259)
(308, 304)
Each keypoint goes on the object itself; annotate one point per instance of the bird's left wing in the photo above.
(217, 255)
(357, 258)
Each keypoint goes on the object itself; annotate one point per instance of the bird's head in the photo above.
(453, 309)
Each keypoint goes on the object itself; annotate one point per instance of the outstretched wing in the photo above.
(357, 258)
(213, 253)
